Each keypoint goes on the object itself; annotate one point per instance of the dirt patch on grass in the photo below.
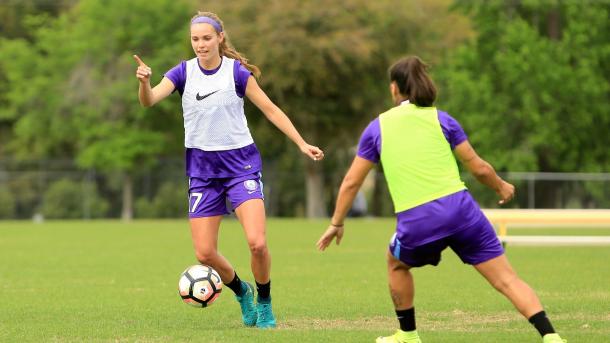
(373, 323)
(452, 320)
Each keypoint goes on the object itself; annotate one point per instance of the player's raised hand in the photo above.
(328, 236)
(143, 72)
(313, 152)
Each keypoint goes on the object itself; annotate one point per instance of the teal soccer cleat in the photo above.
(265, 319)
(246, 302)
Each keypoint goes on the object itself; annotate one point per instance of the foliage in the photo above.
(171, 201)
(72, 91)
(13, 14)
(68, 199)
(25, 192)
(18, 19)
(531, 87)
(79, 69)
(532, 90)
(324, 63)
(7, 203)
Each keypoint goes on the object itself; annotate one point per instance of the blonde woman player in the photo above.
(222, 160)
(415, 143)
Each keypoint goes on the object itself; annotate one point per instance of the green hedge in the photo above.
(171, 201)
(7, 203)
(67, 199)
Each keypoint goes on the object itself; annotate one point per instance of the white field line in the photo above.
(558, 226)
(556, 240)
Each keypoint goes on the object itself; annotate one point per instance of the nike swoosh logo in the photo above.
(201, 97)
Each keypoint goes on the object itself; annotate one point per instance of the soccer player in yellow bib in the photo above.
(416, 144)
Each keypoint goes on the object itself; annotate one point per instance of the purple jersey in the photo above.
(225, 163)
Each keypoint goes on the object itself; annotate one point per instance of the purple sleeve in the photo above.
(369, 146)
(177, 75)
(241, 75)
(451, 129)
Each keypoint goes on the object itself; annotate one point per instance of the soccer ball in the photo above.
(199, 285)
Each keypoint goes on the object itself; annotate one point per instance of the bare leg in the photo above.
(204, 232)
(400, 279)
(501, 275)
(251, 215)
(402, 291)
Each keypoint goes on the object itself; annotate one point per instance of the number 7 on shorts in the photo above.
(197, 200)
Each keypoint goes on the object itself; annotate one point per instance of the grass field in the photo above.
(108, 281)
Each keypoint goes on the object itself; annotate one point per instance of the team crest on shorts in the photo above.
(251, 185)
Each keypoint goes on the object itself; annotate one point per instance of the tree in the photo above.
(324, 63)
(14, 12)
(16, 20)
(73, 93)
(532, 89)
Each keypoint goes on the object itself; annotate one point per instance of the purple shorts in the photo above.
(208, 197)
(454, 221)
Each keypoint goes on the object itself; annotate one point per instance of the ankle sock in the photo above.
(236, 286)
(406, 318)
(263, 290)
(541, 323)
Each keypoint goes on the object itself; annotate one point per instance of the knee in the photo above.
(258, 248)
(395, 264)
(206, 257)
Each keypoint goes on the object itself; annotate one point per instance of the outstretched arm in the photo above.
(484, 172)
(149, 96)
(347, 192)
(280, 119)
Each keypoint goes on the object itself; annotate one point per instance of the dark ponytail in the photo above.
(411, 77)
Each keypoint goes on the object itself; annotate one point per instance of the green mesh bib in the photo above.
(417, 159)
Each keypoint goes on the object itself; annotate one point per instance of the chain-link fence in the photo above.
(58, 189)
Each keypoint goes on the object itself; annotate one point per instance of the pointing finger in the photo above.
(139, 60)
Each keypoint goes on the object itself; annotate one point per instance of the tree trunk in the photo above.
(127, 212)
(314, 184)
(381, 203)
(554, 24)
(376, 206)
